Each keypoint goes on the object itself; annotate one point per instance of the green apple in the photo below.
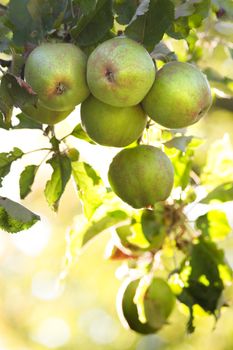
(158, 302)
(127, 309)
(112, 126)
(145, 232)
(141, 176)
(44, 115)
(179, 97)
(57, 73)
(153, 226)
(120, 72)
(73, 154)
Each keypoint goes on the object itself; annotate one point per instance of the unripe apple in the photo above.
(127, 309)
(141, 176)
(179, 97)
(73, 154)
(158, 302)
(57, 73)
(120, 72)
(43, 115)
(112, 126)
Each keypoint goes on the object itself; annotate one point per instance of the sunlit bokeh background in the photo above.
(37, 310)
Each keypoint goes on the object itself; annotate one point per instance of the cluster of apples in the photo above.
(119, 88)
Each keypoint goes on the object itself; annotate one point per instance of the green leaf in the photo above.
(222, 193)
(202, 9)
(14, 217)
(188, 15)
(182, 164)
(124, 10)
(224, 28)
(196, 10)
(179, 29)
(142, 9)
(19, 92)
(132, 237)
(32, 19)
(3, 124)
(6, 103)
(111, 219)
(214, 224)
(163, 53)
(26, 180)
(4, 45)
(55, 187)
(54, 142)
(181, 151)
(195, 49)
(150, 22)
(4, 34)
(33, 7)
(109, 215)
(180, 142)
(220, 83)
(201, 276)
(79, 133)
(24, 27)
(86, 6)
(94, 227)
(184, 10)
(6, 159)
(91, 28)
(215, 76)
(48, 14)
(26, 123)
(91, 189)
(18, 62)
(145, 231)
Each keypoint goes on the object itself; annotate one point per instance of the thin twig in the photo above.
(40, 149)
